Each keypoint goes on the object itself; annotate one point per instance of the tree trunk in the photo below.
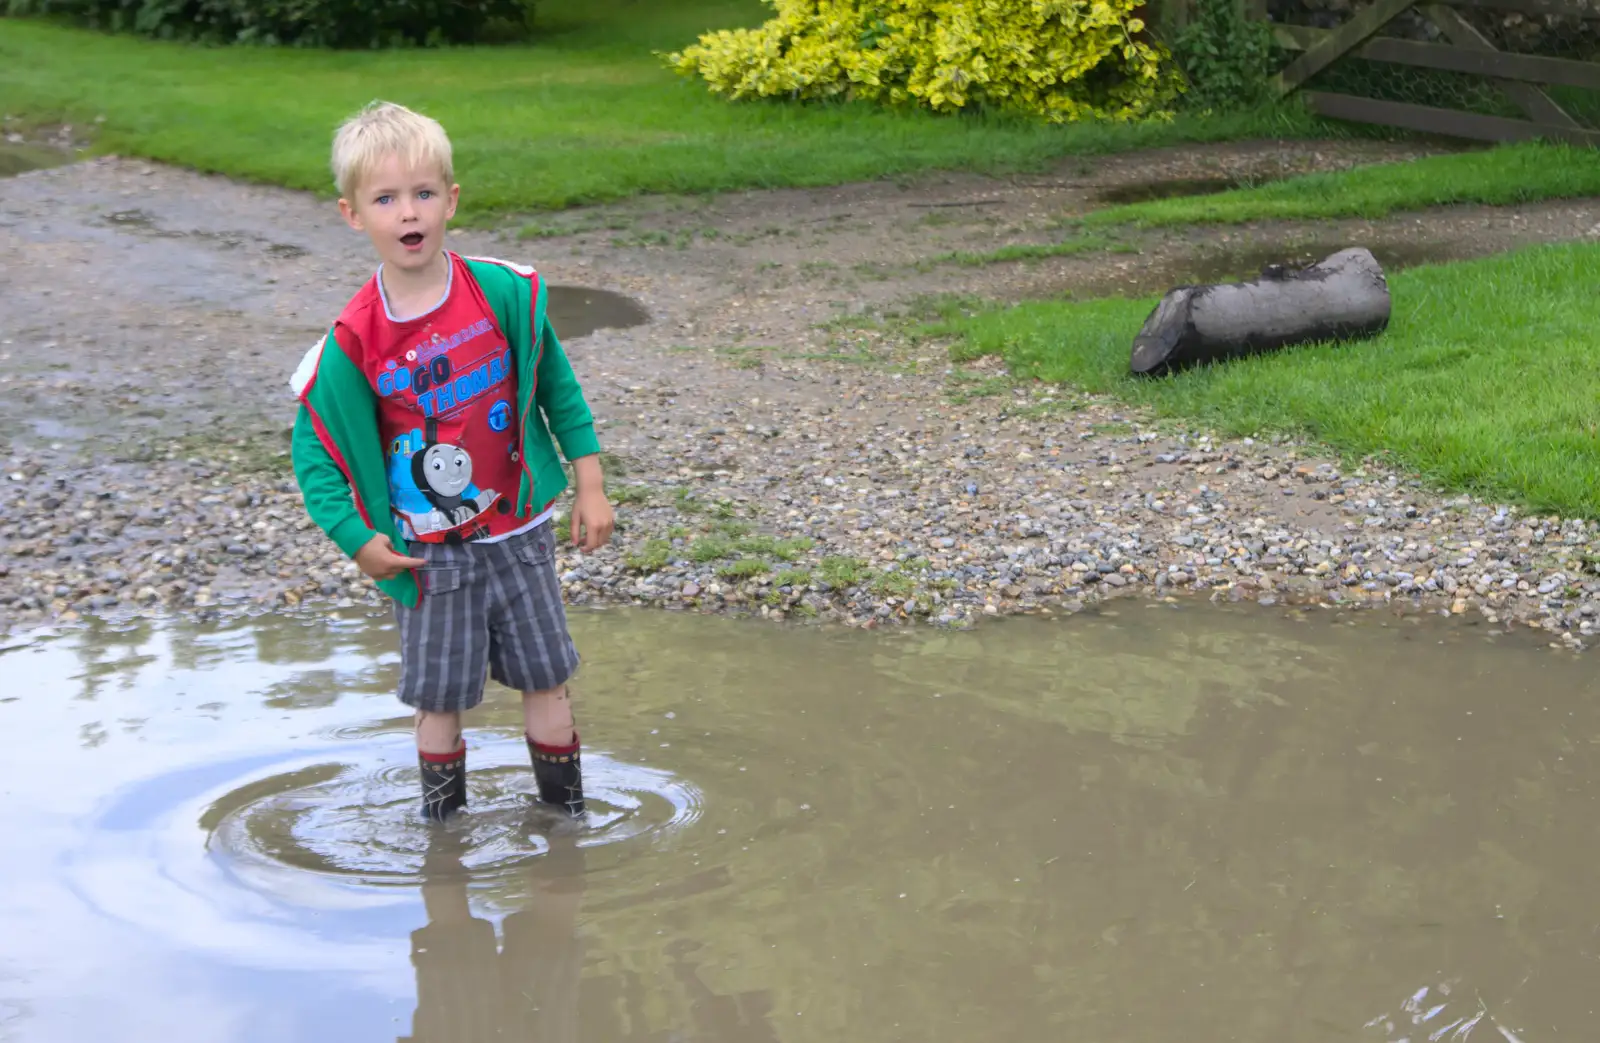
(1341, 298)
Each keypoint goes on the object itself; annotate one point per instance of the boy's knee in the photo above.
(438, 732)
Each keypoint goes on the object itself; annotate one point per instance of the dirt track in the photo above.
(149, 319)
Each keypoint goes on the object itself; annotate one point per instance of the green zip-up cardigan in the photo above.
(338, 452)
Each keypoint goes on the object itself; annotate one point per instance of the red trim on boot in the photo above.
(443, 758)
(564, 750)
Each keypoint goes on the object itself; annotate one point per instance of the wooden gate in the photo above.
(1461, 48)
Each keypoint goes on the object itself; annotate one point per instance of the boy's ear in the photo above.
(351, 217)
(455, 197)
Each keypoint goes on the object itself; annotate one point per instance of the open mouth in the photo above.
(412, 239)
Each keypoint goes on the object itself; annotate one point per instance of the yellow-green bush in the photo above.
(1060, 59)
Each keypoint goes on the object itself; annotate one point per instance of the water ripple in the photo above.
(354, 821)
(243, 856)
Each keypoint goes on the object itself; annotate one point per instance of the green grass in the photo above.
(684, 499)
(1485, 381)
(710, 548)
(791, 549)
(842, 571)
(744, 568)
(1032, 251)
(1520, 173)
(962, 387)
(893, 584)
(586, 112)
(652, 556)
(792, 578)
(624, 495)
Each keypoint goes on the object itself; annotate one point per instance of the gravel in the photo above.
(900, 539)
(147, 470)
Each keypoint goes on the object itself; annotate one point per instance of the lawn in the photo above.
(1486, 380)
(1501, 176)
(586, 112)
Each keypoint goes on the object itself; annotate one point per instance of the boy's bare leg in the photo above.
(553, 744)
(547, 716)
(438, 732)
(442, 757)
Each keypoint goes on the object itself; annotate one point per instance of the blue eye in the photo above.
(425, 194)
(384, 200)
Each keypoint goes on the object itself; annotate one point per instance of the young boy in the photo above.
(423, 448)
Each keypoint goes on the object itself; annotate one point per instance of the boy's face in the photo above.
(404, 211)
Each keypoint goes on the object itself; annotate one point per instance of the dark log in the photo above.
(1344, 297)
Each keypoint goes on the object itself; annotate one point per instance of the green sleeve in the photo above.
(560, 397)
(323, 486)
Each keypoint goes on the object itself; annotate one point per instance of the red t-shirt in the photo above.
(447, 410)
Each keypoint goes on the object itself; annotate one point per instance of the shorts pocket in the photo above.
(539, 548)
(440, 581)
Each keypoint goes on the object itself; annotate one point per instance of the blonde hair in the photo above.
(384, 129)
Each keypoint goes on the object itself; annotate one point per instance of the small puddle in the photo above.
(18, 158)
(1173, 188)
(577, 311)
(1144, 825)
(1246, 262)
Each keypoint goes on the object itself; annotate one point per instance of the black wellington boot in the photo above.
(444, 785)
(559, 773)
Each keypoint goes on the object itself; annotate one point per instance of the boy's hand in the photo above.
(593, 518)
(378, 559)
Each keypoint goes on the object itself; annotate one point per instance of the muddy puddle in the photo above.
(1175, 188)
(577, 311)
(1150, 825)
(1226, 264)
(17, 158)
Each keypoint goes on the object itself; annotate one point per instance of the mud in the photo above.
(1173, 188)
(17, 158)
(1150, 824)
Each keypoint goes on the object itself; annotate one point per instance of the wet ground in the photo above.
(1148, 824)
(15, 157)
(1174, 188)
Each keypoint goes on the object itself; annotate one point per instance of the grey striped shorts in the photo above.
(487, 608)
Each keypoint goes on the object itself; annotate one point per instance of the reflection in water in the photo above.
(1439, 1013)
(1143, 825)
(525, 986)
